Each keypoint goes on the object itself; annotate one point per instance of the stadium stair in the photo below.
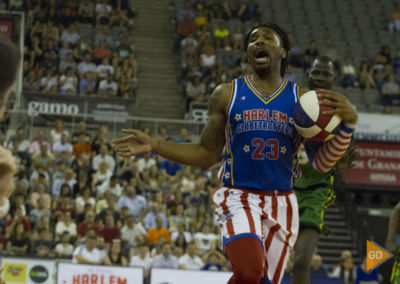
(158, 94)
(340, 238)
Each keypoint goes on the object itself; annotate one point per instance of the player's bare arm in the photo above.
(203, 154)
(394, 229)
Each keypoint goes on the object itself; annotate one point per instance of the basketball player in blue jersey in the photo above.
(251, 119)
(314, 189)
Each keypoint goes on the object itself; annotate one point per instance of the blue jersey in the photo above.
(261, 141)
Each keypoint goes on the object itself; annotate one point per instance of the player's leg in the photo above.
(304, 248)
(312, 206)
(241, 229)
(281, 225)
(246, 257)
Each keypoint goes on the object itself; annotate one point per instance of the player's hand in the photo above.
(347, 160)
(8, 168)
(137, 143)
(343, 107)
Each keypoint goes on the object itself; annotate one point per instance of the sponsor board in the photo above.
(28, 270)
(378, 164)
(170, 276)
(69, 273)
(44, 109)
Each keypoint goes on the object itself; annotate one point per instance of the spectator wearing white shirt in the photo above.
(103, 12)
(84, 199)
(68, 81)
(105, 68)
(49, 82)
(108, 85)
(181, 230)
(62, 146)
(64, 248)
(136, 204)
(131, 231)
(145, 163)
(88, 253)
(70, 35)
(103, 155)
(190, 260)
(19, 138)
(58, 131)
(205, 240)
(165, 259)
(143, 260)
(66, 225)
(111, 186)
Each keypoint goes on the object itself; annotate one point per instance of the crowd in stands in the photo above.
(79, 47)
(74, 198)
(210, 40)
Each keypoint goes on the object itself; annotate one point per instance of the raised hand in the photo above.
(137, 143)
(342, 105)
(347, 161)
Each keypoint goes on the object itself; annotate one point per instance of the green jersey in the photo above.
(310, 177)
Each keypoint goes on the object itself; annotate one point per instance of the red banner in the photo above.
(378, 164)
(6, 28)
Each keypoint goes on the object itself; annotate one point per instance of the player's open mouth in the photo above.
(261, 56)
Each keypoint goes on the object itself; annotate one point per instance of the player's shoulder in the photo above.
(221, 96)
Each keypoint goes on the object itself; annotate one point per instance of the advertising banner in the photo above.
(28, 270)
(378, 127)
(171, 276)
(378, 164)
(69, 273)
(44, 109)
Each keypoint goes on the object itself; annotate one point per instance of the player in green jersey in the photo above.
(393, 243)
(314, 190)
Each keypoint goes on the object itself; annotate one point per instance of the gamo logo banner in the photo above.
(378, 164)
(44, 109)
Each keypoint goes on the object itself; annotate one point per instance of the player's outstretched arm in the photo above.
(325, 156)
(203, 154)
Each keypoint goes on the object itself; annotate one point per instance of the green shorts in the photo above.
(313, 203)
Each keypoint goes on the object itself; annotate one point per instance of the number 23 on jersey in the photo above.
(271, 153)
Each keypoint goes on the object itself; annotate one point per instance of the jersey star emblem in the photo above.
(238, 116)
(283, 150)
(291, 120)
(246, 148)
(229, 161)
(227, 175)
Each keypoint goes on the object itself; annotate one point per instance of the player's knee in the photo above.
(246, 256)
(249, 272)
(301, 263)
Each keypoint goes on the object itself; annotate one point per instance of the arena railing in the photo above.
(42, 116)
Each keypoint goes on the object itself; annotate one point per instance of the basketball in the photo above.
(309, 120)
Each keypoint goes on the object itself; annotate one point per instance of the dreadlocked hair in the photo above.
(282, 34)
